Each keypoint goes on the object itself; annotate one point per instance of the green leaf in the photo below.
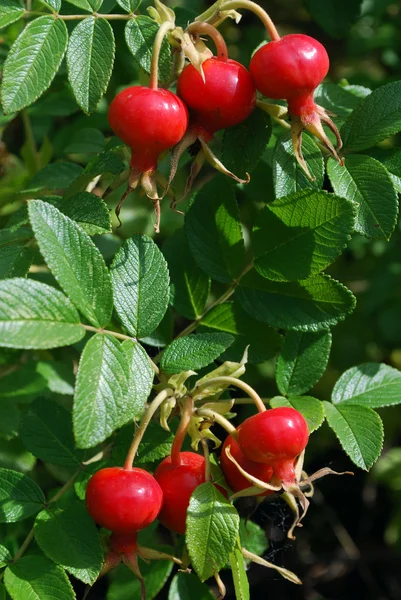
(86, 141)
(70, 538)
(20, 496)
(56, 176)
(58, 376)
(141, 376)
(9, 422)
(46, 431)
(244, 144)
(390, 158)
(3, 592)
(252, 537)
(32, 62)
(89, 211)
(14, 261)
(214, 232)
(263, 341)
(90, 58)
(74, 260)
(189, 284)
(313, 226)
(376, 118)
(10, 11)
(302, 361)
(35, 577)
(155, 445)
(129, 5)
(186, 586)
(311, 408)
(335, 16)
(337, 99)
(140, 281)
(194, 351)
(35, 315)
(89, 5)
(364, 180)
(101, 402)
(140, 35)
(24, 384)
(369, 384)
(54, 4)
(5, 556)
(240, 578)
(310, 305)
(212, 530)
(288, 177)
(359, 430)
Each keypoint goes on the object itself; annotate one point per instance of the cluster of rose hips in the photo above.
(219, 94)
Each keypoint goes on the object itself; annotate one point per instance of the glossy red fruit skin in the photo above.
(123, 500)
(234, 478)
(149, 122)
(226, 98)
(290, 68)
(178, 482)
(272, 436)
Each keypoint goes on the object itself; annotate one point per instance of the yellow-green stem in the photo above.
(239, 384)
(154, 66)
(198, 28)
(182, 431)
(259, 12)
(222, 421)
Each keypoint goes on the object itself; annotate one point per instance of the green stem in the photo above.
(154, 66)
(24, 545)
(30, 139)
(215, 416)
(198, 28)
(147, 417)
(206, 454)
(182, 431)
(239, 384)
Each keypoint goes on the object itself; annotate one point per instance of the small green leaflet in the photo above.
(10, 11)
(55, 176)
(155, 446)
(302, 361)
(214, 233)
(15, 261)
(390, 158)
(71, 539)
(194, 351)
(35, 576)
(89, 211)
(101, 402)
(337, 99)
(311, 408)
(141, 375)
(335, 16)
(5, 556)
(86, 141)
(129, 5)
(365, 181)
(186, 586)
(90, 58)
(252, 537)
(310, 305)
(369, 384)
(35, 315)
(20, 496)
(140, 281)
(74, 260)
(313, 226)
(359, 430)
(288, 177)
(376, 118)
(212, 530)
(89, 5)
(140, 34)
(32, 62)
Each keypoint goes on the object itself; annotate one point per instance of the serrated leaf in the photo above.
(86, 141)
(189, 284)
(376, 118)
(359, 430)
(369, 384)
(302, 361)
(89, 5)
(89, 211)
(15, 261)
(337, 99)
(212, 530)
(46, 431)
(35, 315)
(194, 351)
(54, 4)
(129, 5)
(23, 384)
(10, 11)
(263, 341)
(214, 233)
(140, 35)
(90, 58)
(313, 226)
(74, 260)
(311, 408)
(186, 586)
(56, 176)
(70, 538)
(313, 304)
(58, 376)
(101, 403)
(252, 537)
(140, 281)
(155, 445)
(5, 556)
(365, 181)
(288, 177)
(32, 62)
(240, 579)
(244, 144)
(141, 375)
(20, 496)
(335, 16)
(36, 577)
(390, 158)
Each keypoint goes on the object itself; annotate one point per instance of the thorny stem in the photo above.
(147, 417)
(239, 384)
(30, 140)
(208, 29)
(222, 421)
(154, 66)
(182, 431)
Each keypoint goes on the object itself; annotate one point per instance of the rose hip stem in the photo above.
(207, 29)
(157, 44)
(182, 431)
(239, 384)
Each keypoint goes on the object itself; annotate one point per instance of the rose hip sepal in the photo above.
(291, 68)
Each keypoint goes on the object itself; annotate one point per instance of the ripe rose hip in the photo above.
(123, 500)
